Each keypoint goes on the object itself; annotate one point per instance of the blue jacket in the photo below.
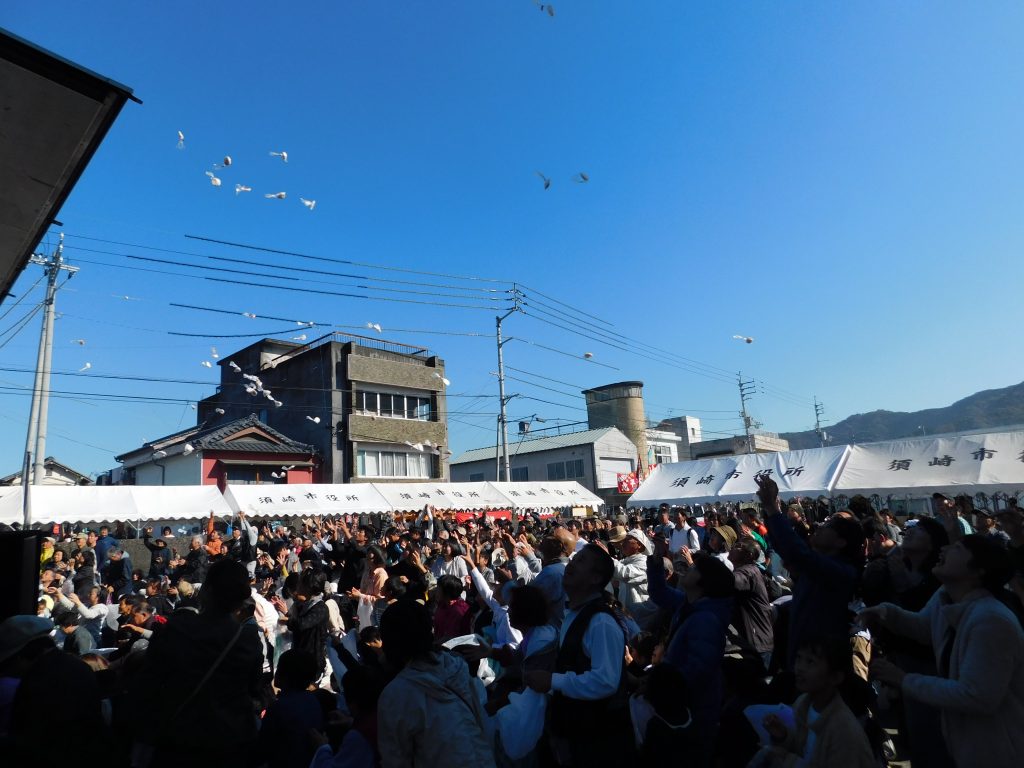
(822, 589)
(103, 547)
(696, 642)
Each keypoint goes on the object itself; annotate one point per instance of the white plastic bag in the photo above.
(364, 612)
(521, 723)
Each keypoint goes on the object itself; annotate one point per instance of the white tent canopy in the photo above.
(986, 463)
(538, 495)
(729, 478)
(412, 497)
(99, 503)
(810, 472)
(306, 499)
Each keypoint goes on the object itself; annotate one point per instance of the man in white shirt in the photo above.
(93, 612)
(683, 535)
(586, 684)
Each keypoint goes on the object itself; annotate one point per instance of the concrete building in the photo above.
(374, 410)
(55, 474)
(592, 457)
(663, 446)
(243, 451)
(687, 429)
(619, 405)
(761, 442)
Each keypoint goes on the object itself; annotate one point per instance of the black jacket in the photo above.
(752, 612)
(309, 630)
(194, 569)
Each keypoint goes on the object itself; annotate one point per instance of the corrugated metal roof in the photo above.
(534, 444)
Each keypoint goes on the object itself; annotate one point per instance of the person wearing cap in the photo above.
(720, 541)
(988, 526)
(631, 572)
(46, 552)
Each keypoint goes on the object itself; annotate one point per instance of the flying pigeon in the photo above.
(206, 364)
(192, 406)
(79, 342)
(275, 475)
(227, 160)
(375, 326)
(276, 195)
(282, 155)
(219, 411)
(314, 419)
(214, 353)
(85, 367)
(250, 315)
(242, 188)
(311, 204)
(545, 179)
(187, 448)
(445, 381)
(303, 323)
(267, 394)
(250, 390)
(181, 140)
(234, 366)
(548, 7)
(581, 178)
(213, 179)
(289, 467)
(159, 454)
(747, 339)
(300, 337)
(278, 403)
(428, 444)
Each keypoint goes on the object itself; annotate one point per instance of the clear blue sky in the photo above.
(841, 181)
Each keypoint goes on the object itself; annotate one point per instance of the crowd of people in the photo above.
(776, 634)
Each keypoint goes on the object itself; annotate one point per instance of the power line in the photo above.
(22, 297)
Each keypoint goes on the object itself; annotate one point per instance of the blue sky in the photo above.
(842, 182)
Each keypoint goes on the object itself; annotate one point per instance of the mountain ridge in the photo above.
(988, 408)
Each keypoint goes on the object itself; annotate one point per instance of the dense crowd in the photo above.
(778, 634)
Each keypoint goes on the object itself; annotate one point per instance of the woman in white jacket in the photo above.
(979, 652)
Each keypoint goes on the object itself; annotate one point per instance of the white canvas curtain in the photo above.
(988, 463)
(684, 482)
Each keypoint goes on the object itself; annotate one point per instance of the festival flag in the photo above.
(627, 482)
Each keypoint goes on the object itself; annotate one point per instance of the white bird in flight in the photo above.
(276, 476)
(219, 411)
(227, 161)
(234, 366)
(159, 454)
(214, 353)
(79, 342)
(588, 355)
(250, 390)
(206, 364)
(250, 315)
(300, 337)
(311, 204)
(213, 179)
(242, 188)
(442, 378)
(181, 140)
(278, 403)
(375, 327)
(545, 179)
(282, 155)
(187, 448)
(314, 419)
(85, 367)
(276, 195)
(288, 468)
(748, 339)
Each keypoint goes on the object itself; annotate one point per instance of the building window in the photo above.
(374, 463)
(393, 406)
(253, 476)
(663, 454)
(476, 477)
(520, 474)
(565, 470)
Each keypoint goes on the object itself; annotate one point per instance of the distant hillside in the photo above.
(991, 408)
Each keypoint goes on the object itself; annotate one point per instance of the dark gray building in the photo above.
(375, 410)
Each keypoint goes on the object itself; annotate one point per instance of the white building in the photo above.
(594, 458)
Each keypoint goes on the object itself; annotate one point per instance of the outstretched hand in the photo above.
(767, 491)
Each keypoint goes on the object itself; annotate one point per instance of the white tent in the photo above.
(684, 482)
(809, 472)
(412, 497)
(553, 495)
(986, 463)
(99, 503)
(306, 499)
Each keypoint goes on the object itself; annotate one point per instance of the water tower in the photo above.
(619, 405)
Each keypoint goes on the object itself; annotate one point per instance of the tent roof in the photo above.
(108, 503)
(55, 116)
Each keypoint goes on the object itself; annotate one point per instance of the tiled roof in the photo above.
(218, 438)
(534, 444)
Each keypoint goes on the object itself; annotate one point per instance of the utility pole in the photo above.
(819, 411)
(503, 400)
(746, 391)
(35, 441)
